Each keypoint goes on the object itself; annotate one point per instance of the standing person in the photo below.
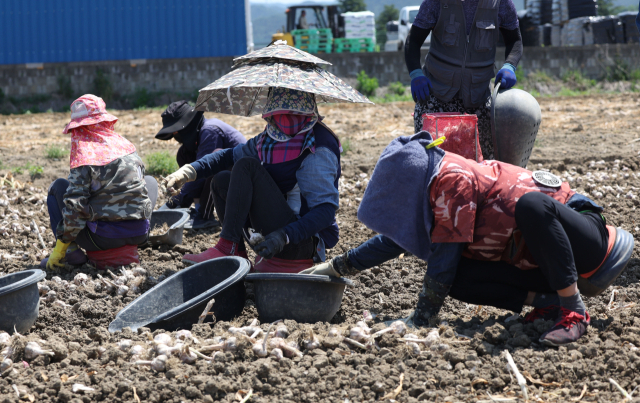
(198, 137)
(302, 21)
(459, 66)
(105, 205)
(284, 180)
(491, 234)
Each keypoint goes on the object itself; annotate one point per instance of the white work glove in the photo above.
(183, 175)
(323, 269)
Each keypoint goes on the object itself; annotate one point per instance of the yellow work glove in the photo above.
(322, 269)
(57, 255)
(183, 175)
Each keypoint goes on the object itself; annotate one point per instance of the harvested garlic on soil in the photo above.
(398, 327)
(33, 350)
(157, 364)
(122, 290)
(163, 338)
(311, 342)
(278, 342)
(137, 350)
(124, 345)
(61, 304)
(277, 354)
(184, 335)
(187, 356)
(80, 279)
(4, 338)
(358, 334)
(139, 272)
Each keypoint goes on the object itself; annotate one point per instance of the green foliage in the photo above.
(102, 86)
(621, 71)
(520, 76)
(161, 163)
(55, 152)
(367, 85)
(141, 98)
(608, 7)
(353, 5)
(17, 170)
(346, 145)
(35, 171)
(390, 13)
(64, 86)
(576, 81)
(397, 88)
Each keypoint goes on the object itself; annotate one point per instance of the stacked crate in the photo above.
(354, 45)
(313, 40)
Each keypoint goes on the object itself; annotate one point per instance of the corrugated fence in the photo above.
(51, 31)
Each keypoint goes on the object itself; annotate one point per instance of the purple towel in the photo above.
(396, 202)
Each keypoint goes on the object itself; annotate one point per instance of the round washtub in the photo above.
(305, 298)
(19, 300)
(175, 220)
(178, 301)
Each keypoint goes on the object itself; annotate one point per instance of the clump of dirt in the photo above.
(462, 360)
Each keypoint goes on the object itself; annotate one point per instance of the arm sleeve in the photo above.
(77, 210)
(444, 261)
(316, 178)
(211, 138)
(374, 252)
(454, 201)
(412, 46)
(213, 163)
(513, 45)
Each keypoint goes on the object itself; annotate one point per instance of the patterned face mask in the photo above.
(285, 126)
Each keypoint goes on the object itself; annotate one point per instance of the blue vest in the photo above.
(284, 174)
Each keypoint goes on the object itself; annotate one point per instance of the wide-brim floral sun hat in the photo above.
(88, 110)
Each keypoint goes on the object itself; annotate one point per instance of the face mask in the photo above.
(289, 124)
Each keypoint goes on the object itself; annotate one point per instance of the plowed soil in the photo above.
(589, 141)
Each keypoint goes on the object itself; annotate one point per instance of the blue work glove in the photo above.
(420, 86)
(506, 76)
(272, 244)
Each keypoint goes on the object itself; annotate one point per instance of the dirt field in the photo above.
(590, 141)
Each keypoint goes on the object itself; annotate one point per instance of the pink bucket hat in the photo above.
(88, 110)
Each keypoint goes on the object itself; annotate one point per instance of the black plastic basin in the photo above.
(19, 300)
(301, 297)
(178, 301)
(175, 219)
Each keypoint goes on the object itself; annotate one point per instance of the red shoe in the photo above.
(223, 248)
(569, 327)
(547, 313)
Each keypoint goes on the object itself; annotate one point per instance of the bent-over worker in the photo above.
(198, 137)
(491, 234)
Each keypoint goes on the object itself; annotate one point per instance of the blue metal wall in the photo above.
(49, 31)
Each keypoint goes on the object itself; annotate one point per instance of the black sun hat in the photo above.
(176, 117)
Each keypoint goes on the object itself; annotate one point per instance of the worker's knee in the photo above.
(532, 206)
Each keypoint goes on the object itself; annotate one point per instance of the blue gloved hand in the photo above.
(420, 86)
(506, 76)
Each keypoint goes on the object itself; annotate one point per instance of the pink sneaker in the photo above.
(223, 248)
(569, 327)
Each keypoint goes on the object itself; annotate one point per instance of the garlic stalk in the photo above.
(158, 364)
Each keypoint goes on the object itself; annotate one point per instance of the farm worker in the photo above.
(105, 205)
(302, 21)
(459, 66)
(284, 181)
(198, 137)
(491, 234)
